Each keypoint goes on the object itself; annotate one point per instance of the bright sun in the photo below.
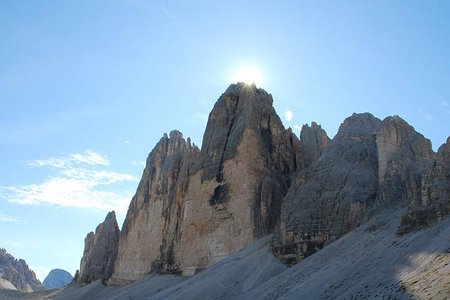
(248, 75)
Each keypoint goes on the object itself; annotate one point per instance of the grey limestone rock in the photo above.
(313, 140)
(57, 279)
(331, 197)
(404, 156)
(195, 207)
(434, 202)
(100, 251)
(369, 166)
(17, 272)
(252, 177)
(151, 225)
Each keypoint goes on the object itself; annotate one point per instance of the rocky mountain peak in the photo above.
(193, 208)
(150, 227)
(100, 251)
(252, 177)
(313, 140)
(359, 126)
(443, 154)
(57, 279)
(15, 274)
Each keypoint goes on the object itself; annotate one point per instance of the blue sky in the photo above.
(87, 88)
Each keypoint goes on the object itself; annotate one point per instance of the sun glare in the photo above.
(248, 75)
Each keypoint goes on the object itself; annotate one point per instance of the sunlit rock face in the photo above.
(151, 225)
(194, 208)
(16, 275)
(239, 180)
(100, 251)
(252, 177)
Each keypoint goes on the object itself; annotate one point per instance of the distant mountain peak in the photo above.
(57, 279)
(17, 273)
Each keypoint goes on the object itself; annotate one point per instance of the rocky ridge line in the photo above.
(252, 177)
(17, 273)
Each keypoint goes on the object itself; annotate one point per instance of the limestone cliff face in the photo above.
(15, 274)
(313, 140)
(194, 208)
(331, 197)
(100, 251)
(252, 176)
(238, 183)
(404, 156)
(369, 165)
(150, 230)
(434, 202)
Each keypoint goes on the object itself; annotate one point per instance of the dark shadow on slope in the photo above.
(372, 262)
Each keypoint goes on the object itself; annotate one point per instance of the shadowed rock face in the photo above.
(404, 156)
(100, 251)
(434, 202)
(313, 140)
(369, 165)
(17, 272)
(331, 197)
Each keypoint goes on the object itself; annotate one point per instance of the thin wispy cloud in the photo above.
(80, 180)
(288, 115)
(89, 157)
(444, 103)
(11, 219)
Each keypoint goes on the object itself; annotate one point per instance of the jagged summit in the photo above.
(16, 275)
(194, 207)
(313, 140)
(100, 251)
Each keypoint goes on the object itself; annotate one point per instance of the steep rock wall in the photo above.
(370, 165)
(16, 272)
(100, 251)
(194, 208)
(150, 228)
(434, 202)
(331, 197)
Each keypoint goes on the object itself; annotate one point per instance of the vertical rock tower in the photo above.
(100, 251)
(150, 230)
(195, 207)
